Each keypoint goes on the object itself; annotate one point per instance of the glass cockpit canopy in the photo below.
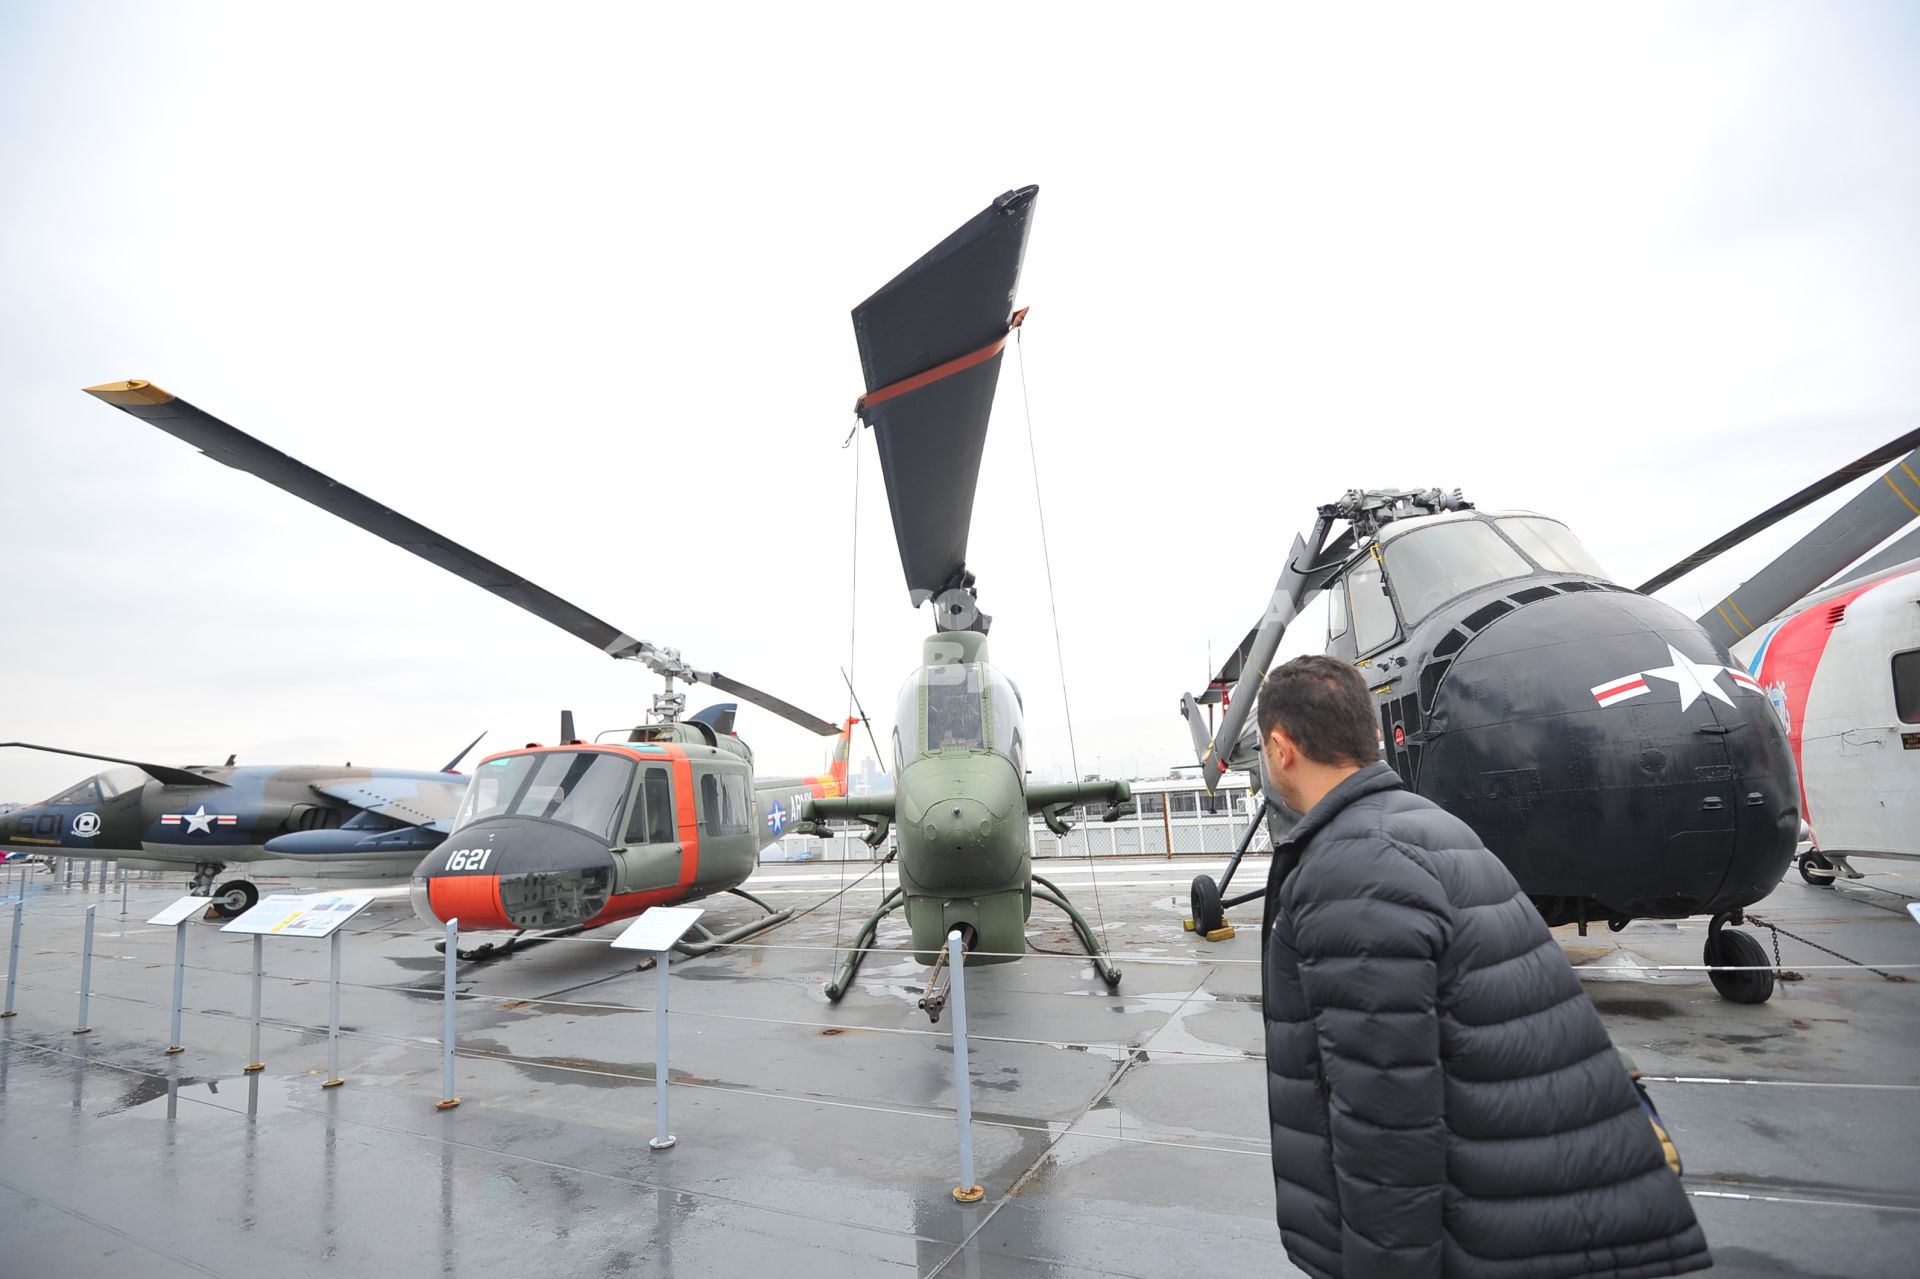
(585, 789)
(1431, 561)
(967, 705)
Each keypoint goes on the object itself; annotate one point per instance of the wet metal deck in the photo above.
(1117, 1133)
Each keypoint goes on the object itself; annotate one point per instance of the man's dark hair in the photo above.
(1322, 703)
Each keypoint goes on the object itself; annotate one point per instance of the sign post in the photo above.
(13, 958)
(286, 915)
(86, 975)
(968, 1191)
(177, 913)
(447, 1100)
(657, 930)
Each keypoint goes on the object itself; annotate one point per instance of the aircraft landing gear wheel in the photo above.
(235, 898)
(1817, 870)
(1204, 898)
(1753, 985)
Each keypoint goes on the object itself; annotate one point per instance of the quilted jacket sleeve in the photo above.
(1371, 924)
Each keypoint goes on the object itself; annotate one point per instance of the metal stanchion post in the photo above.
(86, 975)
(123, 890)
(662, 1139)
(179, 982)
(447, 1100)
(967, 1192)
(333, 1079)
(86, 874)
(67, 863)
(259, 974)
(13, 958)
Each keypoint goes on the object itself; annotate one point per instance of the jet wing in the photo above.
(411, 801)
(160, 772)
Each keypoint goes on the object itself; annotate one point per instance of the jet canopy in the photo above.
(584, 789)
(960, 706)
(101, 787)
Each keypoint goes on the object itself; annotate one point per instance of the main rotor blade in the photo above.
(930, 343)
(1779, 511)
(767, 701)
(1869, 518)
(233, 447)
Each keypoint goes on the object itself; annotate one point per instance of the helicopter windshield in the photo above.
(1551, 544)
(1429, 566)
(966, 705)
(580, 788)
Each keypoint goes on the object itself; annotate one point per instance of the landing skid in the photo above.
(702, 940)
(1045, 889)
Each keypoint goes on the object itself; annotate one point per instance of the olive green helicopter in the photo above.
(930, 344)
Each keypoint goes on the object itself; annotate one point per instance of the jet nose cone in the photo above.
(515, 873)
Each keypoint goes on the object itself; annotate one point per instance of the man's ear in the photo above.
(1284, 749)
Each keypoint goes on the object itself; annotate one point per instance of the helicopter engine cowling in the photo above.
(1670, 781)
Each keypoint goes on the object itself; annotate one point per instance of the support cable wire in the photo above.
(1053, 603)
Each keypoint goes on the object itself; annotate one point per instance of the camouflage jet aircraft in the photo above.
(358, 823)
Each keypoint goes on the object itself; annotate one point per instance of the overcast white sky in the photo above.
(570, 284)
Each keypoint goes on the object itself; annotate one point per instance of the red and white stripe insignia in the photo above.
(1619, 690)
(227, 821)
(1745, 680)
(172, 819)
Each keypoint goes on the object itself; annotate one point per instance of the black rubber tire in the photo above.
(225, 896)
(1204, 898)
(1735, 948)
(1817, 870)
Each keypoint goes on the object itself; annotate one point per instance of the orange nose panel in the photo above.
(474, 900)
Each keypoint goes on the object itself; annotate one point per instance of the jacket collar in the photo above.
(1371, 780)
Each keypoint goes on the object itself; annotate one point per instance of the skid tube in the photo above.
(1048, 891)
(843, 977)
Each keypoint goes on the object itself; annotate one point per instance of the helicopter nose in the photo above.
(514, 873)
(1597, 737)
(959, 825)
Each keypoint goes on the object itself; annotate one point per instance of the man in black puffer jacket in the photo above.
(1444, 1099)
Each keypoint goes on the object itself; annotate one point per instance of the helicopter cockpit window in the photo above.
(1336, 614)
(946, 702)
(1431, 565)
(1373, 621)
(586, 789)
(87, 792)
(1552, 545)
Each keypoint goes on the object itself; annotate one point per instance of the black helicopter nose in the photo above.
(1597, 737)
(514, 872)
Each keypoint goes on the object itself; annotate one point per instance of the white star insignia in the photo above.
(200, 822)
(1693, 678)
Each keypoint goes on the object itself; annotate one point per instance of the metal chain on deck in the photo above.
(1777, 930)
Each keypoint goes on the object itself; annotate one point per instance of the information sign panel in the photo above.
(183, 909)
(658, 928)
(287, 915)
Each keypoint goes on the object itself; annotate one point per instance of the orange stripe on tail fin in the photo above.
(838, 769)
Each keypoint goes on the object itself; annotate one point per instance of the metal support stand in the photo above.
(968, 1191)
(447, 1100)
(86, 875)
(333, 1079)
(13, 958)
(662, 1139)
(259, 974)
(179, 983)
(86, 975)
(123, 890)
